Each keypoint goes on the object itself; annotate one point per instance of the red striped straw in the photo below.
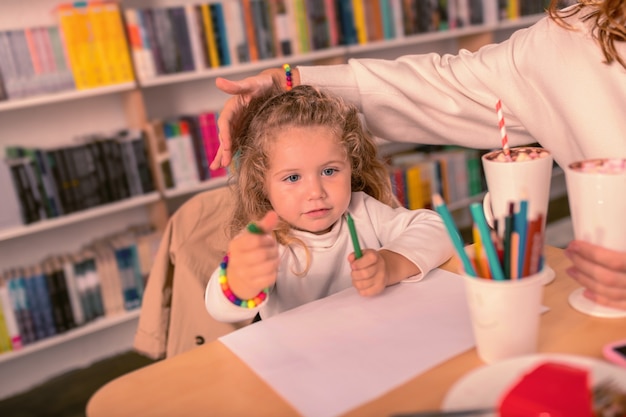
(505, 139)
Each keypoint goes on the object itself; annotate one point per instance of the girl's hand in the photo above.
(242, 91)
(369, 272)
(601, 271)
(253, 259)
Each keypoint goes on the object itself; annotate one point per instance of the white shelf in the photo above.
(339, 51)
(192, 189)
(64, 96)
(98, 324)
(427, 37)
(252, 67)
(106, 209)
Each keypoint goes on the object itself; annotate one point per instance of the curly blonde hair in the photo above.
(256, 125)
(609, 23)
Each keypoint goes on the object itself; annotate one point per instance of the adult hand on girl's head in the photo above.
(369, 274)
(242, 91)
(601, 271)
(253, 259)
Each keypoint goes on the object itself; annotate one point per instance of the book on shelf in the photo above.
(210, 138)
(10, 210)
(374, 20)
(318, 24)
(24, 70)
(180, 149)
(95, 43)
(10, 319)
(282, 27)
(165, 40)
(180, 29)
(347, 27)
(140, 151)
(19, 303)
(40, 178)
(236, 32)
(208, 33)
(196, 37)
(5, 339)
(132, 282)
(159, 155)
(103, 257)
(66, 264)
(221, 33)
(360, 22)
(192, 125)
(125, 139)
(139, 45)
(147, 26)
(264, 33)
(27, 188)
(248, 22)
(88, 285)
(59, 294)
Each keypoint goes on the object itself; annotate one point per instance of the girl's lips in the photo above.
(317, 213)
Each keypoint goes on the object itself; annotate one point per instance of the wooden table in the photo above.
(212, 381)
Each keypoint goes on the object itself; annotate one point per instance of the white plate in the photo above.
(581, 303)
(483, 387)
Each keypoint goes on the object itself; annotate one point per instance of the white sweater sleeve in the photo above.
(418, 235)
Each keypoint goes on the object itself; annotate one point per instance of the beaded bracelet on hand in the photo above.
(287, 69)
(251, 303)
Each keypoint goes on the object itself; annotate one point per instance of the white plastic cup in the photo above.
(505, 315)
(512, 181)
(596, 191)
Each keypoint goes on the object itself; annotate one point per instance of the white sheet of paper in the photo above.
(334, 354)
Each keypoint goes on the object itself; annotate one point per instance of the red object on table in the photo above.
(550, 390)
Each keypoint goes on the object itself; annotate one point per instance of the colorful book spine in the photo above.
(209, 33)
(46, 301)
(210, 137)
(221, 33)
(10, 320)
(236, 32)
(196, 33)
(72, 289)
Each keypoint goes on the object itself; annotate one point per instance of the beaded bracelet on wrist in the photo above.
(287, 69)
(251, 303)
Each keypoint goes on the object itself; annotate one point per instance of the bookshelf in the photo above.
(49, 119)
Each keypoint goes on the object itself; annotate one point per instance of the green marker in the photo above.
(253, 228)
(355, 238)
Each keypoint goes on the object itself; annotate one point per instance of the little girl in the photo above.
(304, 160)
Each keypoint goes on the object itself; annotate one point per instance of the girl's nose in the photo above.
(316, 189)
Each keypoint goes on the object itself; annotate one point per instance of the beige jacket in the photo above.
(173, 318)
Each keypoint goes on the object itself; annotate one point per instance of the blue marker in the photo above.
(494, 263)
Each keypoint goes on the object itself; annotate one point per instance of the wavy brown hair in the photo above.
(256, 125)
(609, 23)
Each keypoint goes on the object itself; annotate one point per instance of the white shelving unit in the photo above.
(81, 216)
(77, 348)
(56, 118)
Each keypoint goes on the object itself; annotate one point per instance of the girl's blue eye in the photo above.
(292, 178)
(328, 171)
